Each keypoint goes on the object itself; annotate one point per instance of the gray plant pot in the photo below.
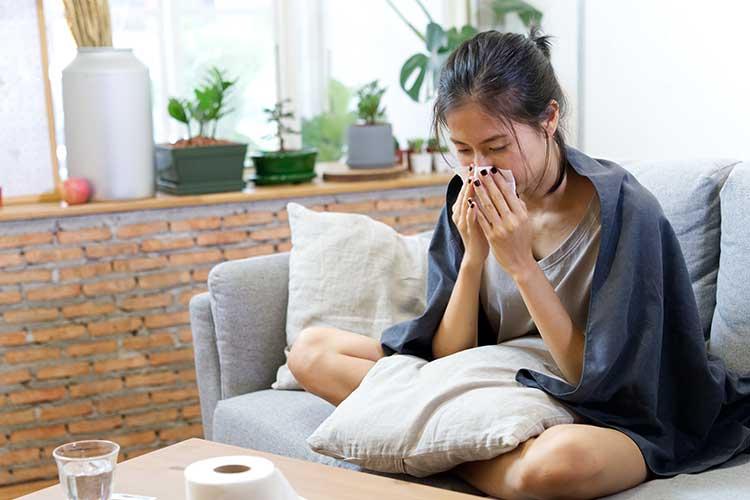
(370, 146)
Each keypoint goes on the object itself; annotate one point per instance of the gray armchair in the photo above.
(239, 337)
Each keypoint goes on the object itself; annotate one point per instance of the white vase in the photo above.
(441, 164)
(108, 128)
(421, 163)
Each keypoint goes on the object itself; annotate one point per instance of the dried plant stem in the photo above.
(89, 22)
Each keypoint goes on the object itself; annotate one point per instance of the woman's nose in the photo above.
(481, 160)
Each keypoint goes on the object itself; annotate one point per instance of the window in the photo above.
(360, 44)
(178, 41)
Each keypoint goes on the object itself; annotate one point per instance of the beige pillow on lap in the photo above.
(351, 272)
(420, 418)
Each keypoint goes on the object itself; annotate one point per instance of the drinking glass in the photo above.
(87, 468)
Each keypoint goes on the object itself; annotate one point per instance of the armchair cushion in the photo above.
(688, 192)
(730, 332)
(351, 272)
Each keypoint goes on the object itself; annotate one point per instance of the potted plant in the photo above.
(283, 165)
(407, 151)
(421, 161)
(371, 141)
(201, 163)
(438, 153)
(398, 152)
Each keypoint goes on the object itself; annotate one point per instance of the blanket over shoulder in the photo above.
(646, 370)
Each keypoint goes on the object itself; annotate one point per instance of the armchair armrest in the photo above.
(208, 372)
(239, 346)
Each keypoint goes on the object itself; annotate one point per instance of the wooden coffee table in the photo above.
(160, 474)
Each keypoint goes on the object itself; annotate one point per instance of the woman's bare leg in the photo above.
(331, 363)
(568, 461)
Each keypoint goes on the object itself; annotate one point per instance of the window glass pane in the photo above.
(373, 43)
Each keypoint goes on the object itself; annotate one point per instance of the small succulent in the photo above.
(368, 107)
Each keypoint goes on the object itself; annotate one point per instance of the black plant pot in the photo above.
(200, 169)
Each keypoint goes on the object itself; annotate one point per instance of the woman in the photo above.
(582, 254)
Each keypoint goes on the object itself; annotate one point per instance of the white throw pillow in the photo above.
(351, 272)
(420, 418)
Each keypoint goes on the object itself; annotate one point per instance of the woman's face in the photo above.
(480, 140)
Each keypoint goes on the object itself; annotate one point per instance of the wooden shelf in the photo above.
(315, 187)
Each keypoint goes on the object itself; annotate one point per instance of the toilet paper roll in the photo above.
(240, 477)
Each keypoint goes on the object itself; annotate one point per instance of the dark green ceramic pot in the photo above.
(200, 169)
(287, 167)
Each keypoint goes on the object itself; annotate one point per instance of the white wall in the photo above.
(666, 79)
(560, 19)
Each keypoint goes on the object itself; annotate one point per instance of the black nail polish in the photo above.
(471, 168)
(468, 181)
(476, 182)
(484, 172)
(493, 170)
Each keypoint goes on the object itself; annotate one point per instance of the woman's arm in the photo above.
(505, 222)
(457, 330)
(564, 339)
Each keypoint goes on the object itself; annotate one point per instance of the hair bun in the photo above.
(541, 41)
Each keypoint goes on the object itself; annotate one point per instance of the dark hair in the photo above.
(510, 76)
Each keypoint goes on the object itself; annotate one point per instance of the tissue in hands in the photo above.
(505, 175)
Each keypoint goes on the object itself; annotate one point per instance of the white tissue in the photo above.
(240, 477)
(507, 175)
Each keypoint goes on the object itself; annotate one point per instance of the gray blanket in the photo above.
(646, 369)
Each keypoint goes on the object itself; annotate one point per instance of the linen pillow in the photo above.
(688, 191)
(411, 416)
(730, 331)
(351, 272)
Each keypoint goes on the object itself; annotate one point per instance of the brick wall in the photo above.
(95, 338)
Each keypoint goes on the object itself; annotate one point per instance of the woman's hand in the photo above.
(505, 224)
(465, 218)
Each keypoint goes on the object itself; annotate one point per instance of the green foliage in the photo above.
(327, 131)
(208, 107)
(415, 145)
(423, 68)
(368, 107)
(278, 115)
(528, 14)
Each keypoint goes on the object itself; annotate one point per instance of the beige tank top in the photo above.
(569, 269)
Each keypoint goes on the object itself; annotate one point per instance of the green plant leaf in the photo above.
(338, 97)
(177, 110)
(436, 37)
(526, 12)
(417, 62)
(369, 102)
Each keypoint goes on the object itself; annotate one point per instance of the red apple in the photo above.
(76, 190)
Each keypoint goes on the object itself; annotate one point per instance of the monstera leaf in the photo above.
(528, 14)
(420, 73)
(439, 44)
